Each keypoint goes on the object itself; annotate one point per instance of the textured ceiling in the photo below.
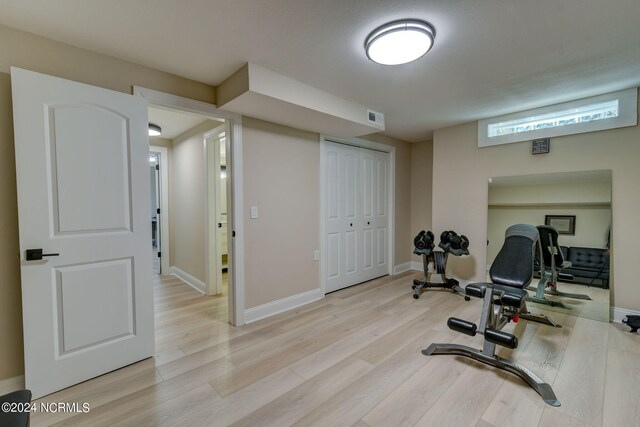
(174, 123)
(490, 57)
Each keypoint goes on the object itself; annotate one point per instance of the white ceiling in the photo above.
(173, 123)
(490, 57)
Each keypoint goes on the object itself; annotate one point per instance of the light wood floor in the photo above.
(353, 359)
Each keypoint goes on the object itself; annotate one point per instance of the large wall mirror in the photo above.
(578, 204)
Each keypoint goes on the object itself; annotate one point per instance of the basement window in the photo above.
(618, 109)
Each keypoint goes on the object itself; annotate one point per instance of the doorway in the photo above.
(154, 177)
(218, 238)
(159, 176)
(197, 203)
(235, 217)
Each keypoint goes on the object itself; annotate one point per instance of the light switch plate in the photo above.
(316, 255)
(254, 212)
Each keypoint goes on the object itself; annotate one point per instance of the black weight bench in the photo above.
(15, 415)
(551, 261)
(504, 300)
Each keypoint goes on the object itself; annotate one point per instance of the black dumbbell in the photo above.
(444, 237)
(452, 239)
(459, 242)
(424, 240)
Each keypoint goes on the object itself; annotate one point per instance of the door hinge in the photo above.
(159, 254)
(158, 210)
(157, 167)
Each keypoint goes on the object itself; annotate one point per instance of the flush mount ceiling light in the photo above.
(399, 42)
(154, 130)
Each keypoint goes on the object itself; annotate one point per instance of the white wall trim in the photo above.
(617, 314)
(12, 384)
(234, 165)
(323, 210)
(235, 223)
(417, 266)
(178, 102)
(190, 280)
(401, 268)
(163, 153)
(282, 305)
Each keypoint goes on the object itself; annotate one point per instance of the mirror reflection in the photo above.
(578, 206)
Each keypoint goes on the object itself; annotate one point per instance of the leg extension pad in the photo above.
(462, 326)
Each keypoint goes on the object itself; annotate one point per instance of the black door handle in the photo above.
(368, 223)
(219, 225)
(36, 254)
(351, 224)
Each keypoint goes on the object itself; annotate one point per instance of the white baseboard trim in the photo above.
(194, 282)
(417, 266)
(281, 305)
(11, 384)
(617, 314)
(401, 268)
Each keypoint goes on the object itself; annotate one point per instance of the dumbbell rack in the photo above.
(439, 260)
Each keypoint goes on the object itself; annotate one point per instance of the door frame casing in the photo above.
(163, 162)
(213, 249)
(391, 202)
(236, 220)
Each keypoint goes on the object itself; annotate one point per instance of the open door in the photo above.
(83, 200)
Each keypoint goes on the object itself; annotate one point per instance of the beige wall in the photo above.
(11, 355)
(35, 53)
(560, 193)
(188, 201)
(460, 200)
(279, 244)
(39, 54)
(160, 142)
(421, 186)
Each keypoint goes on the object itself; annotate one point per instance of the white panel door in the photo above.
(380, 221)
(343, 256)
(356, 217)
(369, 209)
(351, 209)
(375, 219)
(83, 196)
(333, 218)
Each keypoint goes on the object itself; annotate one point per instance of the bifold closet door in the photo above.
(374, 212)
(356, 215)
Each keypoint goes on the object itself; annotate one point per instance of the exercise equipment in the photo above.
(16, 413)
(504, 300)
(450, 243)
(551, 260)
(633, 322)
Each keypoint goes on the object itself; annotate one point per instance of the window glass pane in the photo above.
(588, 113)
